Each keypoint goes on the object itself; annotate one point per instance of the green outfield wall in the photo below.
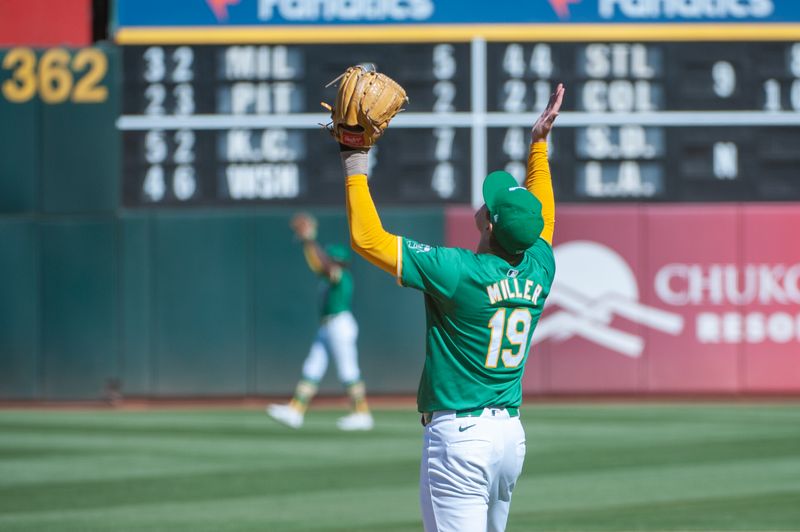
(207, 303)
(222, 303)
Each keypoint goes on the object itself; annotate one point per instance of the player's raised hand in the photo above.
(541, 128)
(304, 226)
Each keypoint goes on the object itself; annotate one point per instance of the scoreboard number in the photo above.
(56, 76)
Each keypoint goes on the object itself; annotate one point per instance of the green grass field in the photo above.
(589, 467)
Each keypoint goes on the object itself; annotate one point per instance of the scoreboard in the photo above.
(653, 120)
(243, 123)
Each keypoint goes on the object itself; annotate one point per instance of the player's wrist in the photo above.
(355, 161)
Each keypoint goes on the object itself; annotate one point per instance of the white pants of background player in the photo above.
(469, 468)
(336, 336)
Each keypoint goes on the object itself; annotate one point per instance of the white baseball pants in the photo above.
(336, 336)
(469, 468)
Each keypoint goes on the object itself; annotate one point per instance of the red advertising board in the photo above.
(45, 22)
(667, 299)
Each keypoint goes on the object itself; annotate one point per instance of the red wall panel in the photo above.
(682, 245)
(771, 237)
(667, 299)
(45, 22)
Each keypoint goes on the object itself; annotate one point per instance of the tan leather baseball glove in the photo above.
(365, 103)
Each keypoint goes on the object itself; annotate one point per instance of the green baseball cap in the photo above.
(338, 252)
(515, 213)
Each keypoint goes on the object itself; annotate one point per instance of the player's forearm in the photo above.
(312, 259)
(539, 182)
(367, 236)
(317, 259)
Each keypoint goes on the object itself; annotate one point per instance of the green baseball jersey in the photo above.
(337, 293)
(480, 315)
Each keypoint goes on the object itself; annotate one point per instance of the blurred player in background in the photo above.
(336, 335)
(481, 310)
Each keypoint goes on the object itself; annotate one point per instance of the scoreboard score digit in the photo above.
(643, 121)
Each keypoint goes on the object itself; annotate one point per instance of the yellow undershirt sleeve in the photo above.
(367, 236)
(539, 182)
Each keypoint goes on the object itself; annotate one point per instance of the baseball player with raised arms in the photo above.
(481, 310)
(336, 335)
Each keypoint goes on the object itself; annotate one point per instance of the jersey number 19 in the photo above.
(516, 330)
